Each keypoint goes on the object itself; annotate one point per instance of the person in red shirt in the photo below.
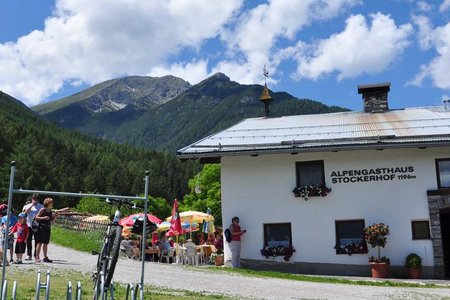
(21, 228)
(235, 245)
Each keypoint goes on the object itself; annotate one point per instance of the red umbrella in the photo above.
(129, 221)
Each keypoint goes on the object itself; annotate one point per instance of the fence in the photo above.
(133, 292)
(73, 223)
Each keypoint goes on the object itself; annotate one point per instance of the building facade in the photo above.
(311, 184)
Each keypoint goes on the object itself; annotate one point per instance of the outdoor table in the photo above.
(153, 251)
(207, 250)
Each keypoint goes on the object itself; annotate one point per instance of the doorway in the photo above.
(445, 234)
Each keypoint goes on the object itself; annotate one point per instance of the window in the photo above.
(310, 173)
(350, 237)
(277, 235)
(443, 173)
(420, 230)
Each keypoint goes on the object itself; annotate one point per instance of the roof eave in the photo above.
(217, 154)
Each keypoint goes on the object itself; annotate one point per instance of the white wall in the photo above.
(258, 190)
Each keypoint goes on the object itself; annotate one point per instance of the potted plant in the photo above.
(413, 264)
(376, 236)
(216, 258)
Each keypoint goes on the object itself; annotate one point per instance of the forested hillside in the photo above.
(50, 158)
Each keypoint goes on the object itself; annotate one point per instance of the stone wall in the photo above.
(437, 200)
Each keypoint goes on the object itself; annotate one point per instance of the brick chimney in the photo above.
(375, 96)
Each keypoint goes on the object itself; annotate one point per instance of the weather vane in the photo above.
(265, 74)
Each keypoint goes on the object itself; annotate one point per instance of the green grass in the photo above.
(87, 242)
(92, 241)
(26, 284)
(324, 279)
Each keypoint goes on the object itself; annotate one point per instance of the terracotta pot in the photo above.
(415, 273)
(219, 260)
(379, 270)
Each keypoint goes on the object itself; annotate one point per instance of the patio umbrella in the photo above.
(164, 226)
(208, 226)
(193, 216)
(129, 221)
(97, 218)
(185, 230)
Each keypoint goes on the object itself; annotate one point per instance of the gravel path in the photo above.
(203, 279)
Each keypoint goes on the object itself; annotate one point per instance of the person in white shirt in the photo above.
(31, 210)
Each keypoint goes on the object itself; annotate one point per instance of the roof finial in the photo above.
(265, 74)
(265, 95)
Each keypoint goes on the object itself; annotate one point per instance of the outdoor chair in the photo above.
(168, 255)
(191, 256)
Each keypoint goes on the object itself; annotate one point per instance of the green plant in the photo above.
(376, 236)
(213, 256)
(413, 261)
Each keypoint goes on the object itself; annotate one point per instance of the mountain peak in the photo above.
(217, 77)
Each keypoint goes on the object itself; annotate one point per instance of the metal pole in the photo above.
(5, 240)
(144, 231)
(22, 191)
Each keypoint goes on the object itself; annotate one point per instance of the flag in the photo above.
(208, 227)
(175, 223)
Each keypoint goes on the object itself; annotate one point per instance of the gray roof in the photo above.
(412, 127)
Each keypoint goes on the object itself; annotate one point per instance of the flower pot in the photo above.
(379, 270)
(415, 273)
(219, 260)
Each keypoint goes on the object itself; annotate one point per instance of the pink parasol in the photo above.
(129, 221)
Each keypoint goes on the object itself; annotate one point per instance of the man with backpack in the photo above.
(235, 244)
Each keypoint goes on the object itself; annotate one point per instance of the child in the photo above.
(12, 222)
(22, 235)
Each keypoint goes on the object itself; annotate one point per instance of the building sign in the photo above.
(369, 175)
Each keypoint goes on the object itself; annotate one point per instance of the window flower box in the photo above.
(307, 191)
(352, 248)
(278, 251)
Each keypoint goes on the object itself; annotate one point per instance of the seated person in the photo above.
(154, 238)
(171, 242)
(218, 241)
(211, 238)
(164, 244)
(200, 238)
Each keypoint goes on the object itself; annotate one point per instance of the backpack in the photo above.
(228, 235)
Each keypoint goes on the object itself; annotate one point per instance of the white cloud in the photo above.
(194, 72)
(91, 41)
(424, 6)
(425, 34)
(438, 68)
(358, 49)
(253, 42)
(444, 6)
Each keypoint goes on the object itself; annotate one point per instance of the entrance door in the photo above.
(445, 232)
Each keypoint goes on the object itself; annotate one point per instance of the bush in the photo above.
(413, 261)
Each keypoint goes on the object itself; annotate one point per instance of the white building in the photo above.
(389, 166)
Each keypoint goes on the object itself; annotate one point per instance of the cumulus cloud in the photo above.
(437, 69)
(252, 42)
(91, 41)
(194, 71)
(444, 6)
(424, 6)
(360, 48)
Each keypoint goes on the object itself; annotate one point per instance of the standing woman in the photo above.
(44, 217)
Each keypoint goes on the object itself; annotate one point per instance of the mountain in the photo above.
(51, 158)
(113, 95)
(207, 107)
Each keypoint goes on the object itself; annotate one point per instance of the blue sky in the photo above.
(316, 49)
